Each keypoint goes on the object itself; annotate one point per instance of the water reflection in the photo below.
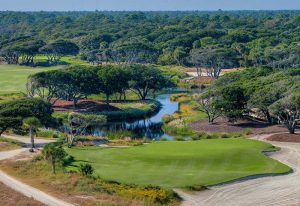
(149, 127)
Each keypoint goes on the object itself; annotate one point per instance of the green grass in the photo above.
(72, 60)
(13, 78)
(180, 164)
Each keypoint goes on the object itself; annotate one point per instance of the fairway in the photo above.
(179, 164)
(13, 77)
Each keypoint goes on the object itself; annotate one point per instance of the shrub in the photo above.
(208, 136)
(179, 138)
(146, 140)
(167, 118)
(86, 169)
(247, 131)
(137, 143)
(225, 135)
(163, 139)
(68, 160)
(197, 188)
(236, 135)
(119, 134)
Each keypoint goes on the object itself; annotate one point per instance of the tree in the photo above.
(108, 78)
(57, 49)
(28, 50)
(32, 123)
(8, 122)
(77, 124)
(70, 84)
(209, 105)
(232, 102)
(77, 82)
(86, 169)
(133, 50)
(264, 97)
(45, 85)
(213, 60)
(146, 79)
(10, 55)
(53, 153)
(12, 113)
(287, 110)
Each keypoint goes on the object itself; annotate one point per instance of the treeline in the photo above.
(79, 82)
(242, 38)
(263, 92)
(23, 50)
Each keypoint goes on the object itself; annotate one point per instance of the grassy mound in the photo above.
(123, 110)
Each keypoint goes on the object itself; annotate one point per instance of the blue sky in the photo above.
(70, 5)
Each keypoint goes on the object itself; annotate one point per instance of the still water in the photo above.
(147, 127)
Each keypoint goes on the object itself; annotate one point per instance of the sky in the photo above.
(146, 5)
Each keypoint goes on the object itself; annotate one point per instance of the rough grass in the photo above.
(13, 77)
(7, 144)
(180, 164)
(178, 124)
(86, 191)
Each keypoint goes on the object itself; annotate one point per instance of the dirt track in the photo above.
(276, 191)
(22, 187)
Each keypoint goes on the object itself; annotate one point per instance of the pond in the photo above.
(147, 127)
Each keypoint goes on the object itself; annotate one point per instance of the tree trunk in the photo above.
(268, 116)
(291, 129)
(74, 103)
(124, 96)
(2, 130)
(107, 100)
(31, 137)
(53, 166)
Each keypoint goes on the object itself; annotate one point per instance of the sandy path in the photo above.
(24, 188)
(276, 190)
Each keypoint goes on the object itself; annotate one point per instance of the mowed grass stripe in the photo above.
(13, 78)
(180, 164)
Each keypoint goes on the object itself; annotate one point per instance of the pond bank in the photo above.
(115, 111)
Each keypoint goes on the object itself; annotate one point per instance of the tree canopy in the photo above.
(258, 37)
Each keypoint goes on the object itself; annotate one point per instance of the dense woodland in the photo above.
(232, 39)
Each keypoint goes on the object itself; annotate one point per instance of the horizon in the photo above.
(144, 5)
(97, 10)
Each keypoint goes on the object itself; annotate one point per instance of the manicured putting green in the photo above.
(13, 77)
(180, 164)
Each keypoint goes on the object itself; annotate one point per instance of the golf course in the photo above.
(180, 163)
(13, 77)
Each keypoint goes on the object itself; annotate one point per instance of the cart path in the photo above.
(281, 190)
(22, 187)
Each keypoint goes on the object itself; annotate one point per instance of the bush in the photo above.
(199, 136)
(163, 139)
(119, 134)
(197, 188)
(146, 140)
(86, 169)
(167, 118)
(179, 138)
(47, 133)
(68, 160)
(248, 131)
(225, 135)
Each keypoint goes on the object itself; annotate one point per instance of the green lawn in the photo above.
(13, 77)
(179, 164)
